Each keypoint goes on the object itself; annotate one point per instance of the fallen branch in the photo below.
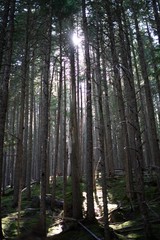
(93, 235)
(84, 227)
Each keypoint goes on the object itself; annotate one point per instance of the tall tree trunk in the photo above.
(155, 68)
(8, 22)
(121, 108)
(89, 140)
(46, 50)
(155, 151)
(58, 116)
(13, 114)
(75, 168)
(143, 122)
(132, 116)
(26, 132)
(107, 114)
(30, 143)
(20, 155)
(3, 29)
(37, 163)
(65, 150)
(102, 140)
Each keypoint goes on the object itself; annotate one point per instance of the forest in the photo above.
(80, 119)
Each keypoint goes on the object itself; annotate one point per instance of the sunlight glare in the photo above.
(76, 40)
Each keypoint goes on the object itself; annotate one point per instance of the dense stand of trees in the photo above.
(77, 108)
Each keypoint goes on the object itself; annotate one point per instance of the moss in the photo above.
(9, 225)
(117, 193)
(78, 233)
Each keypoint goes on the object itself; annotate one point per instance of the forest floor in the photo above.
(125, 219)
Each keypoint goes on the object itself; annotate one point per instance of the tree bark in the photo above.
(107, 115)
(75, 167)
(89, 140)
(4, 79)
(155, 151)
(3, 29)
(65, 164)
(102, 140)
(30, 142)
(157, 17)
(125, 153)
(20, 147)
(58, 117)
(46, 51)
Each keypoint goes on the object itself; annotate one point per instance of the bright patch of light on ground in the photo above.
(56, 228)
(112, 206)
(98, 204)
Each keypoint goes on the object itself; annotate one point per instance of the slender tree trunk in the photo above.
(58, 117)
(155, 151)
(75, 168)
(65, 150)
(20, 154)
(4, 172)
(89, 140)
(121, 109)
(78, 108)
(30, 143)
(4, 79)
(3, 31)
(143, 122)
(107, 115)
(155, 68)
(157, 17)
(26, 131)
(132, 117)
(46, 48)
(13, 113)
(37, 163)
(102, 140)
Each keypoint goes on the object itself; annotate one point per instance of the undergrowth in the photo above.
(126, 219)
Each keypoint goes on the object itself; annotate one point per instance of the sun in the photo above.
(76, 39)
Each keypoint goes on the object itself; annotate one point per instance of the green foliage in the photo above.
(116, 190)
(7, 202)
(10, 215)
(157, 57)
(64, 8)
(9, 225)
